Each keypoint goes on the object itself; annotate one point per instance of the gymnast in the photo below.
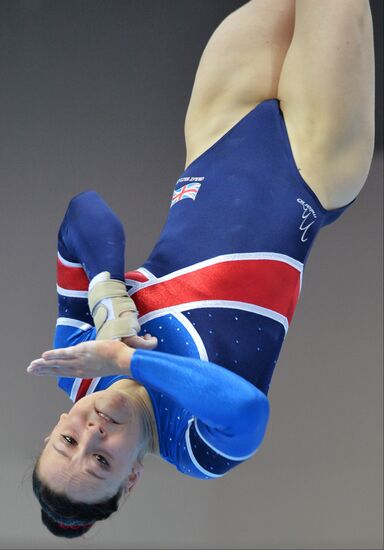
(175, 358)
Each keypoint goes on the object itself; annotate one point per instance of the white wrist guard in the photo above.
(108, 299)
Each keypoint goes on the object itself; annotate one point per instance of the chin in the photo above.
(114, 404)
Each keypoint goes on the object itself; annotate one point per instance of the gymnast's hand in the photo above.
(141, 342)
(85, 360)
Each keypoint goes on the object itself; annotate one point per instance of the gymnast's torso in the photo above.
(224, 277)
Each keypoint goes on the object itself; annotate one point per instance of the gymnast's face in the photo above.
(88, 456)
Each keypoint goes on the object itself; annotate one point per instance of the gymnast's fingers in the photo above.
(147, 342)
(57, 367)
(61, 353)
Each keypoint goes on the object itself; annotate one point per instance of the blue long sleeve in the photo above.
(232, 413)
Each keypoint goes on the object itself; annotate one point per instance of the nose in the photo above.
(96, 428)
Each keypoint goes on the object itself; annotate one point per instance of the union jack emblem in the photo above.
(188, 191)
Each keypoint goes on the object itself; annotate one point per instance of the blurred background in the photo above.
(93, 94)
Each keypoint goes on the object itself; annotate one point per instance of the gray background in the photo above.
(93, 94)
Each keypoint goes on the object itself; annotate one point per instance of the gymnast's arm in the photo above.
(231, 411)
(234, 412)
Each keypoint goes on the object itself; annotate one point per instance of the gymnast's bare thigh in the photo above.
(243, 64)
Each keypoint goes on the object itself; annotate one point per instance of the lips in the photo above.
(106, 417)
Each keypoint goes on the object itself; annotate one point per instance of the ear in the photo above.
(62, 416)
(133, 478)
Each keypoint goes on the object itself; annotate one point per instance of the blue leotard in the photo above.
(219, 289)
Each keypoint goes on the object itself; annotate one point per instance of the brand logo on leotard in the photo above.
(190, 178)
(307, 217)
(187, 191)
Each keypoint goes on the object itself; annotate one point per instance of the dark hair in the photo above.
(66, 518)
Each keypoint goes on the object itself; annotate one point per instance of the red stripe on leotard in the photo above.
(271, 284)
(71, 278)
(82, 391)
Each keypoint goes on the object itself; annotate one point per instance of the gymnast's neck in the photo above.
(139, 395)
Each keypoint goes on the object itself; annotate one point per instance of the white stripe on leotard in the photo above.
(67, 262)
(238, 458)
(66, 321)
(192, 457)
(72, 293)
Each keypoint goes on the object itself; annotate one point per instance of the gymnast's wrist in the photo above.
(124, 358)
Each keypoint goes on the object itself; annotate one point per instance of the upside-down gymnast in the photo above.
(279, 137)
